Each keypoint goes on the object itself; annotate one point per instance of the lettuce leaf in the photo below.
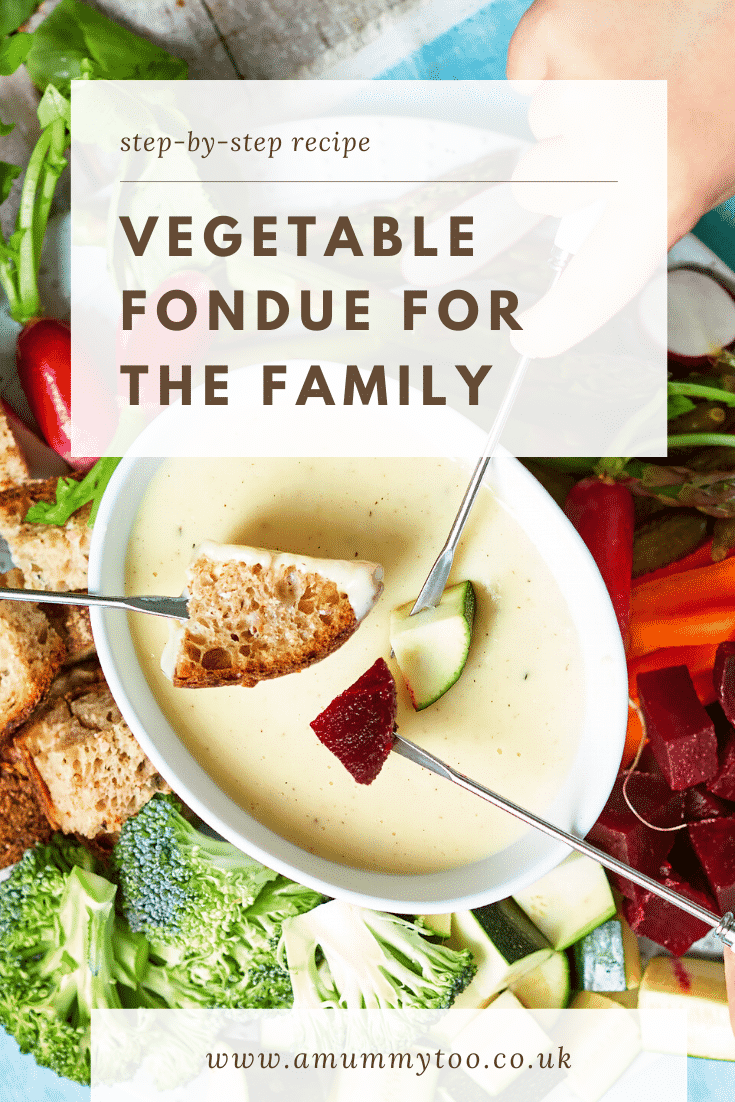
(78, 42)
(71, 494)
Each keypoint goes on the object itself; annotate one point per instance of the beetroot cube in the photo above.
(723, 782)
(359, 725)
(700, 804)
(713, 841)
(723, 678)
(621, 834)
(681, 734)
(667, 925)
(647, 762)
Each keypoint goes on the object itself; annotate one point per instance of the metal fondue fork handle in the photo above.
(724, 927)
(172, 607)
(572, 232)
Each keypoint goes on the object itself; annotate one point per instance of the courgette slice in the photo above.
(697, 986)
(514, 1031)
(603, 1045)
(570, 901)
(600, 959)
(504, 943)
(547, 987)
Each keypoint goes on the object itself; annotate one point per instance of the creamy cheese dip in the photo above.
(512, 721)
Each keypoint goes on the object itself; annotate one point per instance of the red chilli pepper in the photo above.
(604, 517)
(43, 356)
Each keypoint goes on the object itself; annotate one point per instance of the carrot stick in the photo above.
(694, 626)
(701, 557)
(669, 596)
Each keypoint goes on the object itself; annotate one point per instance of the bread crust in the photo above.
(52, 557)
(248, 624)
(88, 772)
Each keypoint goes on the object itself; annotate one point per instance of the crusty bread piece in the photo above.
(31, 653)
(22, 821)
(51, 556)
(75, 628)
(72, 622)
(89, 772)
(13, 466)
(256, 614)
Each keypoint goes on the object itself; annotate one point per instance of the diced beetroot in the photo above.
(622, 835)
(723, 782)
(664, 923)
(724, 678)
(680, 733)
(647, 762)
(358, 725)
(713, 841)
(701, 804)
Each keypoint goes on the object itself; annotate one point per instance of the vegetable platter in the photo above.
(215, 928)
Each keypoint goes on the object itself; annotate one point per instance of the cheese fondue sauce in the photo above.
(512, 721)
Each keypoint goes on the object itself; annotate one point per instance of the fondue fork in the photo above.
(175, 608)
(573, 230)
(724, 928)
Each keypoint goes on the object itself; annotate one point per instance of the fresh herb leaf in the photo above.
(8, 173)
(76, 41)
(13, 52)
(6, 128)
(72, 495)
(15, 12)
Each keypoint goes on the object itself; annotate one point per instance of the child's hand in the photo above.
(689, 45)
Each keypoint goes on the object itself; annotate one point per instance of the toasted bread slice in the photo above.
(23, 823)
(31, 653)
(75, 628)
(51, 556)
(13, 466)
(256, 614)
(72, 622)
(89, 772)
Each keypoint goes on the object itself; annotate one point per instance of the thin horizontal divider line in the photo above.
(369, 181)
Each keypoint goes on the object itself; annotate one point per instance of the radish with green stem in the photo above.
(701, 318)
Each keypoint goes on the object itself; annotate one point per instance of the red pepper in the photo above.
(43, 356)
(604, 517)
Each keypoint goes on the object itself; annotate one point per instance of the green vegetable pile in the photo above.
(181, 920)
(73, 43)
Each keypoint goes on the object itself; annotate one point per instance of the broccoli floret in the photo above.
(352, 958)
(259, 925)
(179, 885)
(242, 971)
(57, 962)
(213, 915)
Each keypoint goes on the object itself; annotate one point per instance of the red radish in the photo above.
(43, 357)
(701, 317)
(604, 517)
(358, 725)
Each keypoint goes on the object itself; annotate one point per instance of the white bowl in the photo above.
(578, 803)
